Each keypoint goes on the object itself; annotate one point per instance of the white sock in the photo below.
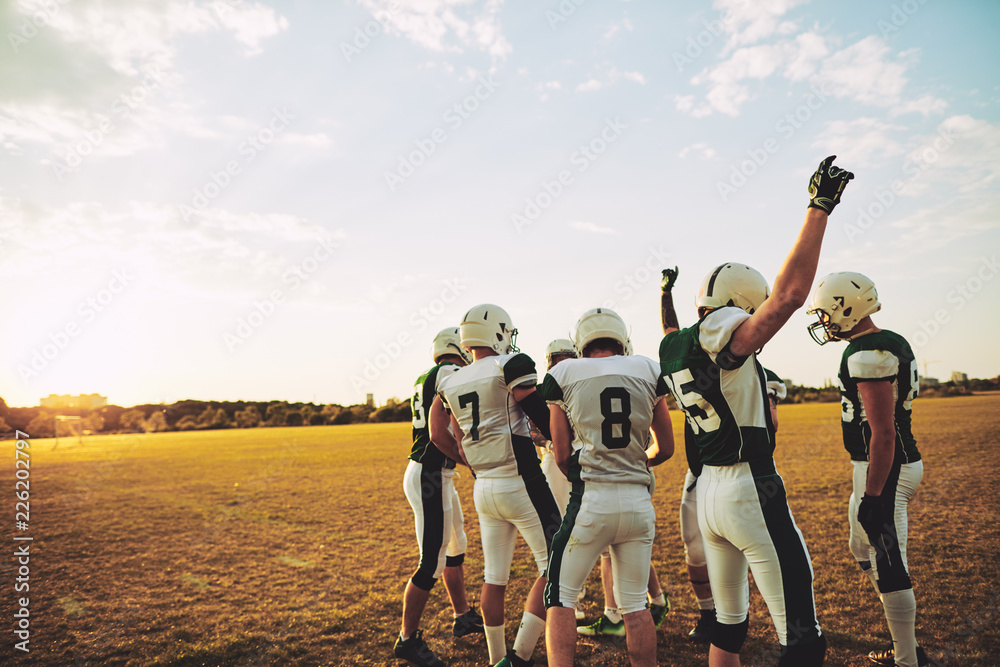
(659, 601)
(706, 604)
(531, 629)
(613, 615)
(901, 614)
(402, 637)
(496, 643)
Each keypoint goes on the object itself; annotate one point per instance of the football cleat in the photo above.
(702, 632)
(887, 658)
(659, 612)
(511, 660)
(415, 651)
(468, 623)
(602, 627)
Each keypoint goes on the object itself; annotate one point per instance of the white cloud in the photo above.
(592, 228)
(589, 86)
(637, 77)
(216, 248)
(446, 25)
(751, 22)
(700, 149)
(865, 72)
(866, 141)
(100, 64)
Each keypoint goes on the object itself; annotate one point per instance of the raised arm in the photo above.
(794, 280)
(668, 316)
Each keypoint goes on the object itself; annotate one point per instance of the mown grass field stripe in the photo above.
(295, 562)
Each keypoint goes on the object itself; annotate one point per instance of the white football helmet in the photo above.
(841, 301)
(449, 341)
(601, 323)
(733, 284)
(562, 347)
(487, 325)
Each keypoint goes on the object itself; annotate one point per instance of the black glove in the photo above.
(870, 517)
(826, 185)
(668, 280)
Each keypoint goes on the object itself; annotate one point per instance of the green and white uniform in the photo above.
(609, 403)
(429, 487)
(882, 356)
(510, 492)
(743, 512)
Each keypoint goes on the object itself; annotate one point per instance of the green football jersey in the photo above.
(424, 391)
(722, 396)
(881, 356)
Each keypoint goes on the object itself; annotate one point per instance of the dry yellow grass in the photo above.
(278, 546)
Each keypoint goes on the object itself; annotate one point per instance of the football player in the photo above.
(491, 401)
(878, 382)
(430, 489)
(610, 401)
(610, 623)
(712, 371)
(694, 547)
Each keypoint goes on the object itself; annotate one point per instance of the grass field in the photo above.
(292, 546)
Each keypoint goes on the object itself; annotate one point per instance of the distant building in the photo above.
(929, 383)
(370, 401)
(83, 401)
(958, 377)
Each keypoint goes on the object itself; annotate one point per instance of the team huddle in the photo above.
(602, 422)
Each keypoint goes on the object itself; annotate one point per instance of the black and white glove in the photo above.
(668, 280)
(827, 184)
(871, 517)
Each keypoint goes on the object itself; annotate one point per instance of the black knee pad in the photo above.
(730, 637)
(454, 561)
(809, 654)
(423, 580)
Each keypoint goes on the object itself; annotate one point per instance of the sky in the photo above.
(285, 201)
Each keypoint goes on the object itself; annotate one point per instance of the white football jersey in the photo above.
(496, 428)
(609, 402)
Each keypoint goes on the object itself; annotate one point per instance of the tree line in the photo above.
(192, 415)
